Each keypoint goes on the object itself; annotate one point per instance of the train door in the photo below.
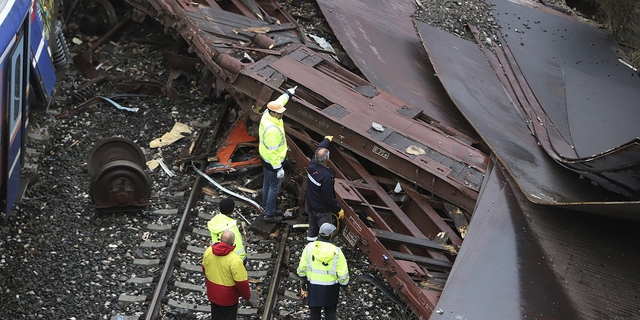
(17, 80)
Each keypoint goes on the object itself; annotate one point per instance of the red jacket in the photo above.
(226, 276)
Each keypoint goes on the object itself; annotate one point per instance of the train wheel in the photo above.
(99, 17)
(120, 185)
(112, 149)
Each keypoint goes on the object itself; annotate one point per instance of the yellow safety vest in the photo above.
(273, 144)
(323, 264)
(221, 223)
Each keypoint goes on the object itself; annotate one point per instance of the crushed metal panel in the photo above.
(515, 250)
(556, 50)
(476, 90)
(223, 24)
(238, 151)
(217, 24)
(380, 39)
(549, 77)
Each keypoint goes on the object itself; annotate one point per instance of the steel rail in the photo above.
(167, 270)
(275, 278)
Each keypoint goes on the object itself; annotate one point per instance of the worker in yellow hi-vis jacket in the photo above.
(323, 270)
(273, 152)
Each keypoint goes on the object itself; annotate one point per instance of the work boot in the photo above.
(272, 219)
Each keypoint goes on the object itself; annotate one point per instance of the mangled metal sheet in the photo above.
(380, 39)
(585, 96)
(526, 261)
(477, 91)
(238, 151)
(574, 71)
(226, 30)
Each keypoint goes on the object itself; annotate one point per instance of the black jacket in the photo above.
(320, 195)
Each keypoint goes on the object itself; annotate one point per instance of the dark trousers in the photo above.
(316, 219)
(270, 190)
(224, 312)
(329, 312)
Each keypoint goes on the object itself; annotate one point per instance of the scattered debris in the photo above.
(165, 168)
(377, 127)
(253, 203)
(415, 150)
(179, 131)
(152, 164)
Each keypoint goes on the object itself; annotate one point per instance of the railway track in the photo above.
(180, 284)
(172, 249)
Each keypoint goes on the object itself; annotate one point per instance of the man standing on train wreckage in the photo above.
(273, 153)
(320, 197)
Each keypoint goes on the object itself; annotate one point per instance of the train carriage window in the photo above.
(17, 83)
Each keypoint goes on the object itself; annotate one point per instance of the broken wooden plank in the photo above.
(246, 190)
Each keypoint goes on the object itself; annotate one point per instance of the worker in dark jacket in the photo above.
(323, 270)
(321, 200)
(226, 278)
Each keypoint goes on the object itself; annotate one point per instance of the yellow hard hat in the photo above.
(278, 105)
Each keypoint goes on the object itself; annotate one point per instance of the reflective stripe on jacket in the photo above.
(273, 144)
(324, 266)
(221, 223)
(226, 276)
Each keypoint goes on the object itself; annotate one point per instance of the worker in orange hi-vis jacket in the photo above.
(226, 277)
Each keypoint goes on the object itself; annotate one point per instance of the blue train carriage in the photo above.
(26, 72)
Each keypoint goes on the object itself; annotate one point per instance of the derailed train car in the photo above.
(27, 76)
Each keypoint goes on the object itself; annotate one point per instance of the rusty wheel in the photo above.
(120, 186)
(100, 16)
(113, 149)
